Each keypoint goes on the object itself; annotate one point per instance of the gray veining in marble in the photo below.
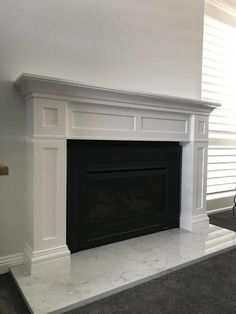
(101, 271)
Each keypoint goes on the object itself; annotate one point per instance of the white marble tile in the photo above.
(104, 270)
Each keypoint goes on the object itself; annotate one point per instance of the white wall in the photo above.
(12, 188)
(144, 45)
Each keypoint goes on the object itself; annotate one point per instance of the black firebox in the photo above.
(120, 189)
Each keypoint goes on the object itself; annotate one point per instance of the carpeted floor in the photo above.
(207, 287)
(11, 301)
(224, 219)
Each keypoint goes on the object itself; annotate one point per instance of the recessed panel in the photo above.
(155, 124)
(50, 117)
(50, 181)
(102, 121)
(202, 127)
(200, 176)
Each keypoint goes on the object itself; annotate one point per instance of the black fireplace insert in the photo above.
(120, 189)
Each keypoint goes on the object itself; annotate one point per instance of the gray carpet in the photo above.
(224, 219)
(11, 301)
(207, 287)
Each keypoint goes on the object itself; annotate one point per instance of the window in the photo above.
(219, 85)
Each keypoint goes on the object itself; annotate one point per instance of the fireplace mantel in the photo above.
(33, 85)
(57, 110)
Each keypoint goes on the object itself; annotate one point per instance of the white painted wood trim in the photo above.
(10, 260)
(193, 184)
(58, 110)
(36, 85)
(90, 121)
(39, 261)
(219, 210)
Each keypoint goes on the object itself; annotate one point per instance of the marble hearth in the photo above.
(102, 271)
(58, 110)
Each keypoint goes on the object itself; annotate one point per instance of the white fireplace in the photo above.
(57, 110)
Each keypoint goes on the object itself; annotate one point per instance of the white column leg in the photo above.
(193, 195)
(46, 244)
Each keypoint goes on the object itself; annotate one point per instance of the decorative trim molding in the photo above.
(223, 6)
(218, 210)
(197, 222)
(37, 261)
(38, 86)
(10, 260)
(201, 219)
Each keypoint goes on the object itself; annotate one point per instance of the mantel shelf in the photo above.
(38, 85)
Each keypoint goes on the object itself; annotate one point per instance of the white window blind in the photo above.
(219, 84)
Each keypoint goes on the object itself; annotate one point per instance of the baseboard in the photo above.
(10, 260)
(194, 223)
(44, 260)
(200, 218)
(218, 210)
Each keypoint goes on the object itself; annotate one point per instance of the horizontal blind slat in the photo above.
(219, 85)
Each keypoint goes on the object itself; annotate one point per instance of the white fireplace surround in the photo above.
(57, 110)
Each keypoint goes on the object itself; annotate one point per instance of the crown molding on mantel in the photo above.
(38, 85)
(224, 6)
